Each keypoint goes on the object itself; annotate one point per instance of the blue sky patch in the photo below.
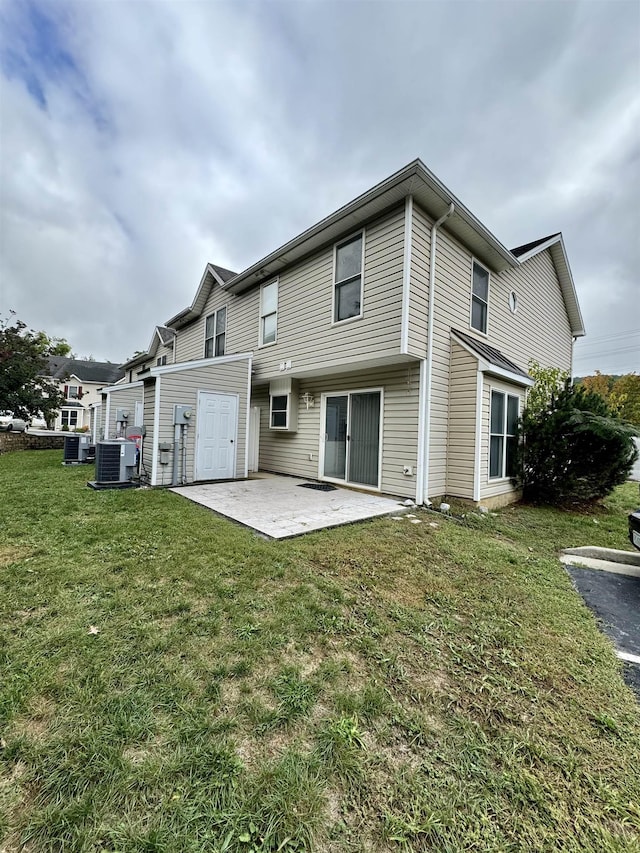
(35, 49)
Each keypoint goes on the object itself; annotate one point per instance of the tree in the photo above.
(24, 389)
(626, 397)
(621, 393)
(573, 448)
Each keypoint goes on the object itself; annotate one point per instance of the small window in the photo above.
(73, 392)
(348, 279)
(214, 333)
(161, 361)
(269, 313)
(279, 410)
(502, 439)
(479, 298)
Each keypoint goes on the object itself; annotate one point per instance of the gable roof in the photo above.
(211, 276)
(102, 372)
(414, 179)
(555, 244)
(167, 336)
(433, 196)
(160, 333)
(491, 355)
(527, 247)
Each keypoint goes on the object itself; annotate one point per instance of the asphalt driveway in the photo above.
(614, 598)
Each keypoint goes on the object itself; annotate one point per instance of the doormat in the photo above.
(319, 487)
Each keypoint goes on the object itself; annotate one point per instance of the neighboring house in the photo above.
(384, 348)
(81, 383)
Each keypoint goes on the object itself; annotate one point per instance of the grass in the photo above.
(172, 683)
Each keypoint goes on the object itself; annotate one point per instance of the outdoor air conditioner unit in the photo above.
(116, 464)
(78, 449)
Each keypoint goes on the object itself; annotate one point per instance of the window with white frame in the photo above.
(161, 361)
(73, 392)
(479, 298)
(348, 279)
(214, 333)
(503, 441)
(70, 418)
(268, 313)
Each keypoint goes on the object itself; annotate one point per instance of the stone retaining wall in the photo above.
(10, 441)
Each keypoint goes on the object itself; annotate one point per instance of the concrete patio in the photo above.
(278, 507)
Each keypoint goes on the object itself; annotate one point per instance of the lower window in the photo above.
(502, 439)
(69, 418)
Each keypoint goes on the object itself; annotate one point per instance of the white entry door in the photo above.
(217, 429)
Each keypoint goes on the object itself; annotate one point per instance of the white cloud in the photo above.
(177, 133)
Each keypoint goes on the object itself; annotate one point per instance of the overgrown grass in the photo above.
(170, 682)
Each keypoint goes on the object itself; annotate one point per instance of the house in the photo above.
(384, 348)
(81, 382)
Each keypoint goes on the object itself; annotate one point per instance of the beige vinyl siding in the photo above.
(96, 422)
(160, 352)
(493, 488)
(124, 398)
(149, 400)
(306, 334)
(538, 330)
(462, 423)
(540, 327)
(182, 388)
(298, 453)
(419, 283)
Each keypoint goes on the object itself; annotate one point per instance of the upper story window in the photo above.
(160, 362)
(502, 437)
(348, 279)
(73, 392)
(268, 313)
(214, 333)
(479, 298)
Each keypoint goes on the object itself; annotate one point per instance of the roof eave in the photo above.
(414, 179)
(558, 251)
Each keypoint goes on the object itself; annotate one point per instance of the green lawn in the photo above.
(170, 682)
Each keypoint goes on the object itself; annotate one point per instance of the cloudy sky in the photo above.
(141, 139)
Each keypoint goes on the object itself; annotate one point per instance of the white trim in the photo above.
(337, 245)
(271, 281)
(201, 362)
(557, 238)
(565, 279)
(406, 274)
(478, 448)
(235, 434)
(156, 435)
(323, 421)
(248, 424)
(628, 657)
(137, 384)
(433, 247)
(503, 478)
(422, 407)
(107, 415)
(488, 272)
(214, 313)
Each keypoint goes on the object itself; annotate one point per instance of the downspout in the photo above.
(423, 468)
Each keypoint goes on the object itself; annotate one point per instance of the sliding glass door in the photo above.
(352, 438)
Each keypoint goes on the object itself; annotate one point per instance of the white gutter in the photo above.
(424, 432)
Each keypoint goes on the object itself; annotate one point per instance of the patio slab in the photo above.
(277, 507)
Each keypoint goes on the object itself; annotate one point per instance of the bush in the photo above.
(573, 449)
